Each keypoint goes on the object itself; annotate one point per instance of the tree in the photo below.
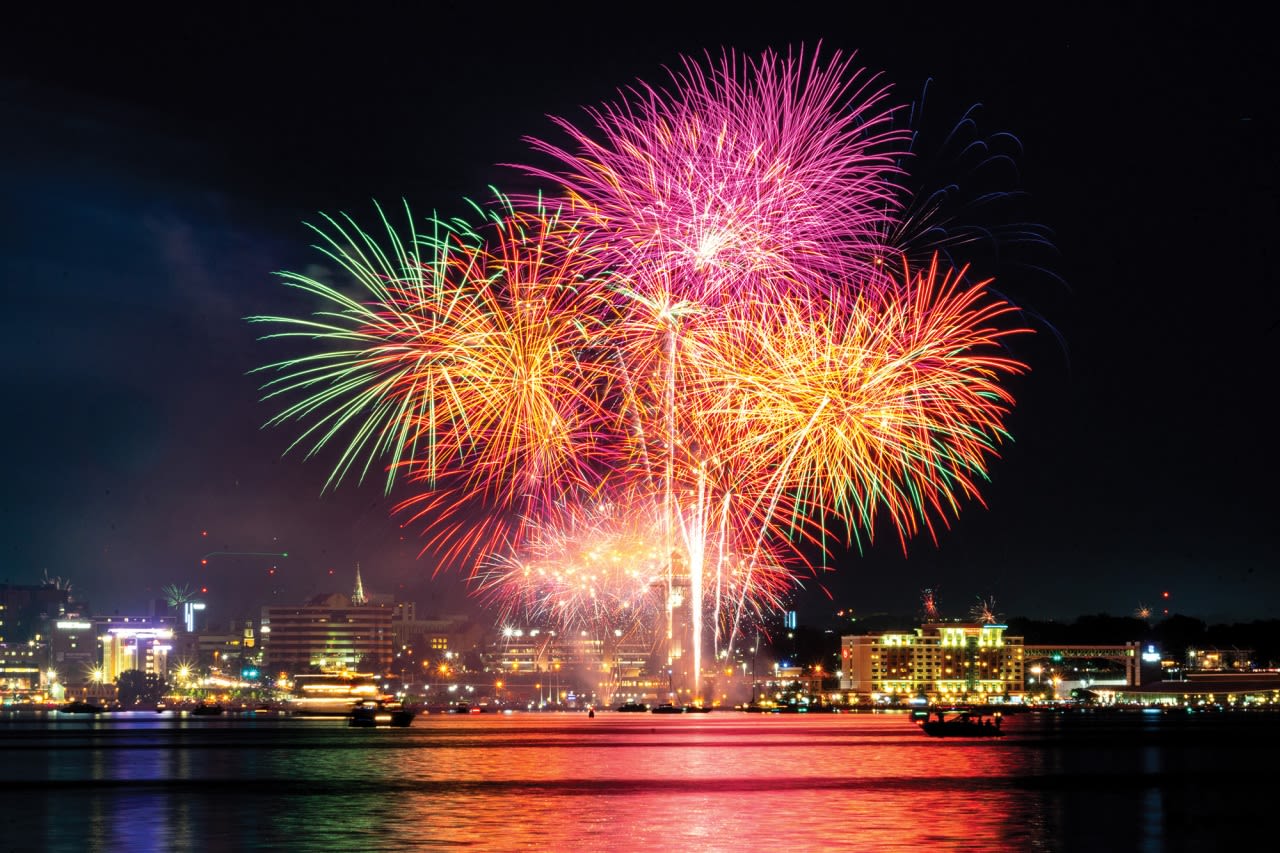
(1178, 632)
(136, 687)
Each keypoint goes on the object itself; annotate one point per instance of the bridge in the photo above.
(1129, 654)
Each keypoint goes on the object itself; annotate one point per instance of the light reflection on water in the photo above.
(723, 781)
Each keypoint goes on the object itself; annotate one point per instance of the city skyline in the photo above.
(155, 190)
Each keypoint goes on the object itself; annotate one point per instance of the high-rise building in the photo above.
(939, 661)
(26, 609)
(328, 634)
(74, 649)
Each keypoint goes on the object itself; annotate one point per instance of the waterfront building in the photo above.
(142, 644)
(75, 649)
(221, 651)
(328, 634)
(1219, 660)
(434, 638)
(939, 662)
(1208, 689)
(21, 670)
(614, 666)
(26, 609)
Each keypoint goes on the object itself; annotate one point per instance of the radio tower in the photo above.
(358, 598)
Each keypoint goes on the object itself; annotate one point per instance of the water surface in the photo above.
(720, 781)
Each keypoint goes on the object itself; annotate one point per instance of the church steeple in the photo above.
(358, 598)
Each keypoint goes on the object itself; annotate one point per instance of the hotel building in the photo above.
(941, 662)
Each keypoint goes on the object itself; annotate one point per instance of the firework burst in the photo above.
(893, 404)
(929, 605)
(176, 596)
(463, 364)
(985, 611)
(654, 401)
(746, 177)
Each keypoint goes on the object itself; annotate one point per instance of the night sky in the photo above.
(156, 170)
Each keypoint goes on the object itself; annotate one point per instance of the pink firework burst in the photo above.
(749, 177)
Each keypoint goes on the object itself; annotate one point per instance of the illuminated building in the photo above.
(612, 667)
(449, 637)
(73, 649)
(1203, 689)
(329, 634)
(220, 651)
(20, 669)
(941, 662)
(142, 644)
(1219, 660)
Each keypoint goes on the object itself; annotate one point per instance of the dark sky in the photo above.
(157, 168)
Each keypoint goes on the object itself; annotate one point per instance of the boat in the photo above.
(206, 709)
(961, 722)
(632, 707)
(329, 694)
(697, 709)
(368, 714)
(667, 708)
(80, 708)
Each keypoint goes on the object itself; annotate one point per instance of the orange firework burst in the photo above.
(466, 363)
(892, 403)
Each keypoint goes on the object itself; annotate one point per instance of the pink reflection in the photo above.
(869, 782)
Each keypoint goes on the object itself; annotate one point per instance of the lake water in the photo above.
(635, 782)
